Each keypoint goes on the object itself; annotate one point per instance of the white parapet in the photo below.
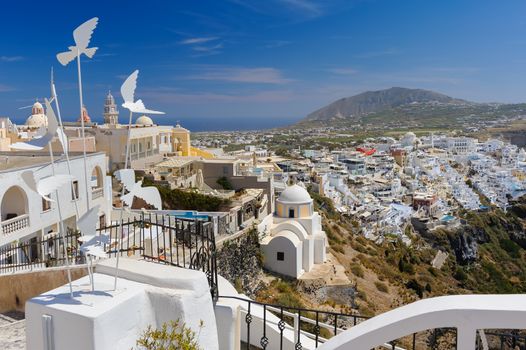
(467, 313)
(107, 319)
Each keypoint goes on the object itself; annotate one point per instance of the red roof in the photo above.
(366, 151)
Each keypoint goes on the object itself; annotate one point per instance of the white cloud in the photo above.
(374, 54)
(207, 48)
(201, 40)
(6, 88)
(309, 7)
(171, 95)
(11, 58)
(264, 75)
(343, 71)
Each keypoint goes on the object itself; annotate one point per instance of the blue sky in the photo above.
(260, 63)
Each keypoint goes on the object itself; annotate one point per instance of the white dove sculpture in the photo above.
(47, 185)
(39, 143)
(82, 36)
(95, 246)
(128, 94)
(149, 194)
(92, 244)
(87, 223)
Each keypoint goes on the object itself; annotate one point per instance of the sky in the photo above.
(246, 64)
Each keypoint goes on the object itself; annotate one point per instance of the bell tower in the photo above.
(111, 113)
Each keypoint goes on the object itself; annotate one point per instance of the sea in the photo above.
(206, 124)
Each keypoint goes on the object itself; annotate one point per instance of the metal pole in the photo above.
(122, 208)
(82, 130)
(61, 224)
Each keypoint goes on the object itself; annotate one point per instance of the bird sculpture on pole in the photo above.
(134, 106)
(82, 37)
(47, 185)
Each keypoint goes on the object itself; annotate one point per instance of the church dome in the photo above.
(37, 118)
(144, 120)
(294, 194)
(37, 108)
(85, 116)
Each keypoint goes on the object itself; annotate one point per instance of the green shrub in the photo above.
(224, 183)
(460, 275)
(382, 287)
(512, 248)
(406, 267)
(417, 287)
(357, 270)
(173, 335)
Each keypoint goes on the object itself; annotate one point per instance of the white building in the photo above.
(296, 240)
(461, 145)
(26, 216)
(409, 139)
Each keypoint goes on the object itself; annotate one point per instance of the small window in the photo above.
(46, 205)
(281, 256)
(75, 190)
(291, 213)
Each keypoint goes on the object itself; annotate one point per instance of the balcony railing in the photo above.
(97, 192)
(15, 224)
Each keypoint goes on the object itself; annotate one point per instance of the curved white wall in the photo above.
(467, 313)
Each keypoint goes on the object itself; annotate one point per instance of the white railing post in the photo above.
(466, 338)
(296, 328)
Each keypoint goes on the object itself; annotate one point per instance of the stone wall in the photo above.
(17, 288)
(240, 262)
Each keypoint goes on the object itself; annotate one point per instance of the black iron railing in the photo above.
(503, 340)
(446, 338)
(164, 239)
(41, 253)
(315, 325)
(263, 326)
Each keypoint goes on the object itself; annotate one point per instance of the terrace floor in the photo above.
(331, 272)
(12, 331)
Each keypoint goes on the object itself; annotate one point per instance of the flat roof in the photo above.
(23, 159)
(175, 162)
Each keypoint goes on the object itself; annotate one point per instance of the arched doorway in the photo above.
(14, 203)
(14, 208)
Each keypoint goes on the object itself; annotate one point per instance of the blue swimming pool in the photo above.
(447, 218)
(189, 215)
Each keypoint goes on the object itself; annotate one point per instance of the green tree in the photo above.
(224, 183)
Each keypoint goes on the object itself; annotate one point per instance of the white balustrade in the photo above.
(97, 192)
(15, 224)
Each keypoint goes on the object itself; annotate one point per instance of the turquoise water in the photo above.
(447, 218)
(189, 215)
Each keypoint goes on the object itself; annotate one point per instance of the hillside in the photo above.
(376, 101)
(402, 107)
(487, 255)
